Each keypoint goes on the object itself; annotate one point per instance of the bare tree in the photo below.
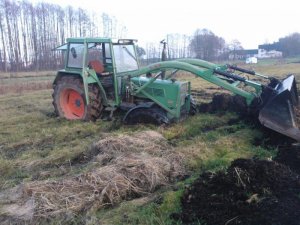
(3, 54)
(206, 45)
(29, 32)
(289, 45)
(234, 47)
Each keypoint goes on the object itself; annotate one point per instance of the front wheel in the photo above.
(69, 99)
(193, 107)
(146, 115)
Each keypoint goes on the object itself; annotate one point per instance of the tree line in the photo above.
(203, 44)
(29, 33)
(289, 45)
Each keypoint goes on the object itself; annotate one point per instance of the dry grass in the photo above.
(201, 90)
(26, 74)
(25, 81)
(20, 88)
(277, 69)
(128, 166)
(150, 142)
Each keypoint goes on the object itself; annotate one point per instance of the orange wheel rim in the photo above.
(72, 104)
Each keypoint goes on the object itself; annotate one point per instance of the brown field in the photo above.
(19, 83)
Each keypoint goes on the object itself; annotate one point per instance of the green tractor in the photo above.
(102, 74)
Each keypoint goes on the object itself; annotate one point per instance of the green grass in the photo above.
(147, 211)
(32, 139)
(36, 145)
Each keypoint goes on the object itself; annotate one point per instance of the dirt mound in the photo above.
(225, 102)
(128, 166)
(250, 192)
(289, 156)
(297, 114)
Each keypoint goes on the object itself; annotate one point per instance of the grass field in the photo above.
(36, 146)
(25, 81)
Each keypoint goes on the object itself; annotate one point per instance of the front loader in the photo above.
(103, 74)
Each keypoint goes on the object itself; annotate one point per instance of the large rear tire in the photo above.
(69, 99)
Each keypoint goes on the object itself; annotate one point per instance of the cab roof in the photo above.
(101, 39)
(89, 39)
(93, 40)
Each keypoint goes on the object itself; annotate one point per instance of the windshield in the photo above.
(125, 58)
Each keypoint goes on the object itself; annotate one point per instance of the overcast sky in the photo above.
(252, 22)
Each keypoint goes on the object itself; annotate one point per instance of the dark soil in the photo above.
(271, 139)
(289, 156)
(225, 102)
(297, 113)
(250, 192)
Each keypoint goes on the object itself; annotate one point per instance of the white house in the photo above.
(269, 51)
(263, 53)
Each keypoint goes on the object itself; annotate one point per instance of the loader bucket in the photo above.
(279, 111)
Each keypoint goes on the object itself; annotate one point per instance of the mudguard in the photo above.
(146, 113)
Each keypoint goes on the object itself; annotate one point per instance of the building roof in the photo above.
(246, 51)
(269, 47)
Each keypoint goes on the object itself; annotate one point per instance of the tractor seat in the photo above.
(97, 66)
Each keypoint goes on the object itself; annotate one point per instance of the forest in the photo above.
(29, 33)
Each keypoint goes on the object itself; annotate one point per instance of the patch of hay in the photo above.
(148, 141)
(135, 166)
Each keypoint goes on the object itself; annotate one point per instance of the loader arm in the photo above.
(205, 70)
(276, 101)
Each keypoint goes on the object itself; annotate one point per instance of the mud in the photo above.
(234, 103)
(271, 139)
(225, 102)
(290, 156)
(297, 114)
(249, 192)
(222, 103)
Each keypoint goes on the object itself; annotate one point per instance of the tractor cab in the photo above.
(101, 54)
(99, 61)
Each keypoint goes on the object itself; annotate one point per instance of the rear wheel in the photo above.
(69, 99)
